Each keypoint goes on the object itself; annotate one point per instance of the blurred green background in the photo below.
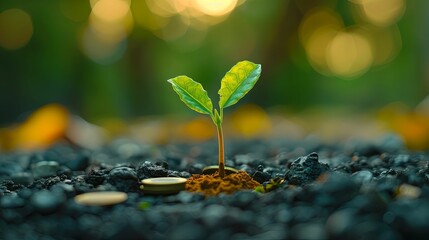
(111, 58)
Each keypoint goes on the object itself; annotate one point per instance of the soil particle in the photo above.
(211, 185)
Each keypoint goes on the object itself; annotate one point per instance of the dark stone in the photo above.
(45, 169)
(124, 179)
(305, 170)
(172, 173)
(150, 170)
(261, 177)
(163, 164)
(95, 177)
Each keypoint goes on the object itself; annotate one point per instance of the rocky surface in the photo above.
(355, 190)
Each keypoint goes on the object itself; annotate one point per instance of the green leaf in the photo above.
(237, 82)
(192, 94)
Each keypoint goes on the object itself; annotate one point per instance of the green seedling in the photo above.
(236, 83)
(272, 185)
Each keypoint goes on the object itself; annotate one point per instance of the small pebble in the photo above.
(124, 179)
(45, 169)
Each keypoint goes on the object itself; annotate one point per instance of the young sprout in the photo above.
(236, 83)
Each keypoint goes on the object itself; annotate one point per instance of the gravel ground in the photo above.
(352, 190)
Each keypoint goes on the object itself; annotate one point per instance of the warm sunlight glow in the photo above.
(171, 19)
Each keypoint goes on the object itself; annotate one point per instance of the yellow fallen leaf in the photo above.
(42, 128)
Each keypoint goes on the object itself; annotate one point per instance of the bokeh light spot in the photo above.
(74, 10)
(105, 39)
(349, 54)
(316, 48)
(386, 43)
(381, 12)
(316, 31)
(102, 50)
(216, 7)
(251, 121)
(16, 29)
(198, 129)
(145, 18)
(111, 10)
(319, 18)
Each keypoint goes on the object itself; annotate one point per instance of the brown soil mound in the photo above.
(212, 184)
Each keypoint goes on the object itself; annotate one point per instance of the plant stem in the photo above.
(221, 151)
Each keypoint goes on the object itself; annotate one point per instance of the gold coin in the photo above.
(101, 198)
(163, 185)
